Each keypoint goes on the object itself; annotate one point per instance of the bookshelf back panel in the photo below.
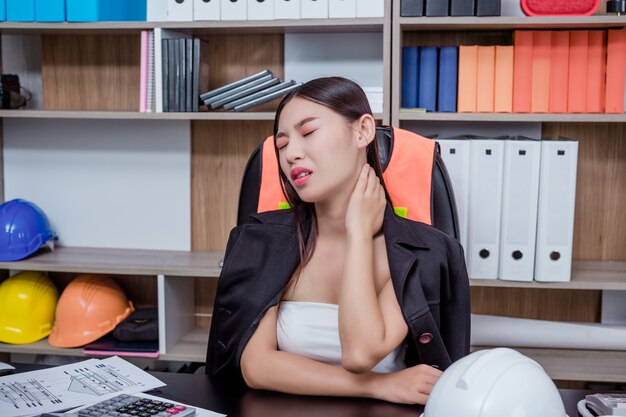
(219, 153)
(600, 218)
(91, 72)
(542, 304)
(232, 57)
(456, 38)
(205, 290)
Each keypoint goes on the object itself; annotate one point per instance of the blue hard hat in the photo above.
(24, 229)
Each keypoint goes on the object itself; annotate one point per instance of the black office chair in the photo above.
(442, 204)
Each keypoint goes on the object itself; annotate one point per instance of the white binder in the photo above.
(261, 9)
(156, 10)
(555, 221)
(286, 9)
(456, 156)
(314, 9)
(341, 8)
(370, 8)
(234, 9)
(520, 192)
(206, 10)
(485, 206)
(179, 10)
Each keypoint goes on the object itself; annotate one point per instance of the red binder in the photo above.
(468, 56)
(577, 83)
(559, 71)
(522, 71)
(615, 70)
(596, 71)
(540, 89)
(485, 81)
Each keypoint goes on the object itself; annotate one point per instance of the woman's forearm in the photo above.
(361, 322)
(295, 374)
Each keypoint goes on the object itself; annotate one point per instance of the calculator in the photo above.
(131, 406)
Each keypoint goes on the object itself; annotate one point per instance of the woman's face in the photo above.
(318, 150)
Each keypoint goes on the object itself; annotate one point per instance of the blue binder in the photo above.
(410, 73)
(427, 90)
(50, 10)
(20, 10)
(3, 10)
(448, 76)
(106, 10)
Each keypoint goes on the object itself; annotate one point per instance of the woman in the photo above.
(337, 295)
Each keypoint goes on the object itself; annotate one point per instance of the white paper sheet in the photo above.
(508, 331)
(70, 386)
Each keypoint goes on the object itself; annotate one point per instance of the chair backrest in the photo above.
(414, 173)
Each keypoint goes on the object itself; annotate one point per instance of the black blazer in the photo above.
(427, 269)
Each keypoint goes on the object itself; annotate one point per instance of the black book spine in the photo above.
(461, 7)
(165, 55)
(411, 8)
(488, 7)
(189, 70)
(437, 8)
(195, 88)
(181, 82)
(171, 84)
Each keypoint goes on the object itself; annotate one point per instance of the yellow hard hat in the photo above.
(27, 304)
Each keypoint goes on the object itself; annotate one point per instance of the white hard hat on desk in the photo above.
(495, 383)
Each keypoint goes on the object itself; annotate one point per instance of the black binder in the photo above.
(411, 8)
(461, 7)
(488, 7)
(437, 8)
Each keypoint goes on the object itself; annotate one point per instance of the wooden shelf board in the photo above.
(586, 275)
(122, 261)
(77, 114)
(245, 26)
(578, 365)
(509, 22)
(408, 115)
(192, 347)
(40, 347)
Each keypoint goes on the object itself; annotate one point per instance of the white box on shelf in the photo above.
(370, 8)
(261, 9)
(206, 10)
(485, 207)
(234, 9)
(179, 10)
(520, 191)
(156, 11)
(555, 219)
(341, 9)
(286, 9)
(314, 9)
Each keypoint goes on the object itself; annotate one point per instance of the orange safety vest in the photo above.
(408, 176)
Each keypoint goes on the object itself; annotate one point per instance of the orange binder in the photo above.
(485, 81)
(596, 71)
(540, 86)
(522, 71)
(559, 71)
(615, 70)
(577, 83)
(468, 59)
(503, 99)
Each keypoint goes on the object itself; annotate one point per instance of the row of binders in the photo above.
(248, 92)
(188, 10)
(580, 71)
(515, 199)
(72, 10)
(185, 73)
(414, 8)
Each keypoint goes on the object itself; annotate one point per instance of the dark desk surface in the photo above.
(201, 391)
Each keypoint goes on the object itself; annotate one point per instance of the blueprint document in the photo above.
(69, 386)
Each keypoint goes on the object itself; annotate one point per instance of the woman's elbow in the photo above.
(357, 361)
(250, 373)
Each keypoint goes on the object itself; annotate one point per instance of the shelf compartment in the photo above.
(123, 262)
(509, 22)
(578, 365)
(408, 115)
(586, 275)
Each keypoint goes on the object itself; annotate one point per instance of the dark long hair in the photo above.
(346, 98)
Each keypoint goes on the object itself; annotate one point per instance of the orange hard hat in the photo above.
(89, 307)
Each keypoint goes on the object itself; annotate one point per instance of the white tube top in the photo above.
(312, 330)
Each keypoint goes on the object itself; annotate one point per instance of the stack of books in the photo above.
(248, 92)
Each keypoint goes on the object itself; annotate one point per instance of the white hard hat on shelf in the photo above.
(495, 383)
